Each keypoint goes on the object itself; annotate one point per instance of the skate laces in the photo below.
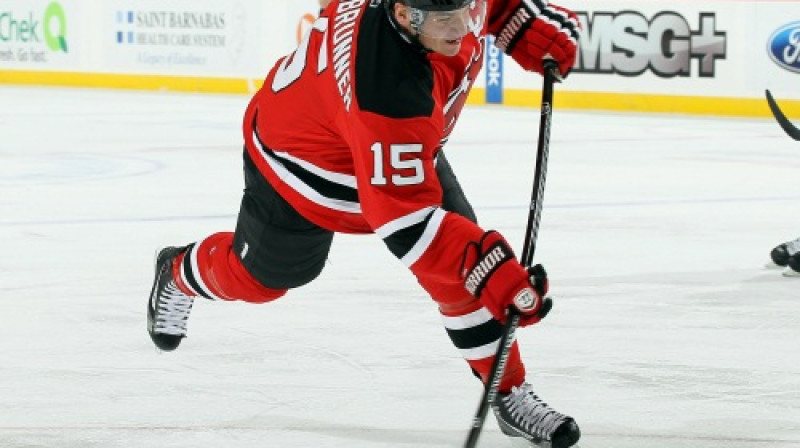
(530, 413)
(172, 312)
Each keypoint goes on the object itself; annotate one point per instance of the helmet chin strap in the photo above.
(417, 17)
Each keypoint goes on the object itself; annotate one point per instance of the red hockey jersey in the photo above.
(347, 128)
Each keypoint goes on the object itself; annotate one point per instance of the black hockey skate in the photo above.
(781, 254)
(522, 414)
(168, 308)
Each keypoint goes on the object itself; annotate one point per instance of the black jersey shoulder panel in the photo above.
(392, 78)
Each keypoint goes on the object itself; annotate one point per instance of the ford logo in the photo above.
(784, 47)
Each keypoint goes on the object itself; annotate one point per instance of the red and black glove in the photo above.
(493, 275)
(533, 30)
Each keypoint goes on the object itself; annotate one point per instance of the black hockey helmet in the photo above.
(435, 5)
(447, 16)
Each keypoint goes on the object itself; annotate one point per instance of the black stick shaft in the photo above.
(532, 232)
(784, 122)
(540, 175)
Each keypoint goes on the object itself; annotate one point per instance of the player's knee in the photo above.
(216, 272)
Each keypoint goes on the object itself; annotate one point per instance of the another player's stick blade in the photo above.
(784, 122)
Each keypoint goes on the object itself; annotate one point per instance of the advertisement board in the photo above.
(493, 73)
(41, 34)
(691, 56)
(180, 36)
(678, 56)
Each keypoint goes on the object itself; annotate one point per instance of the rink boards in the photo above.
(698, 57)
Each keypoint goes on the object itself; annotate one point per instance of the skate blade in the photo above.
(772, 265)
(518, 442)
(789, 272)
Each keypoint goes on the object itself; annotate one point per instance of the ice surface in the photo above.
(667, 330)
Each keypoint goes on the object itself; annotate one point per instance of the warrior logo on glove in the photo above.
(494, 257)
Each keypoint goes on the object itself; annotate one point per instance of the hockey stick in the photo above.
(532, 232)
(787, 126)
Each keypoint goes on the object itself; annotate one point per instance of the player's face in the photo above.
(442, 31)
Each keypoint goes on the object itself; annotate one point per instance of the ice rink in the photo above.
(667, 329)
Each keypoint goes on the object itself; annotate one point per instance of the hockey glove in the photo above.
(493, 275)
(534, 31)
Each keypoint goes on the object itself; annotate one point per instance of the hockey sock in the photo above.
(475, 333)
(210, 268)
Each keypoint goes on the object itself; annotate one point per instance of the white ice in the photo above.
(667, 329)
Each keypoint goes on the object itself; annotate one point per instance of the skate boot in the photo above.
(793, 266)
(168, 308)
(781, 254)
(522, 414)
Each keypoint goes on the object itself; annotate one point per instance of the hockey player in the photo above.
(362, 155)
(787, 255)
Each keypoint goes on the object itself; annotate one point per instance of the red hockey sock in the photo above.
(475, 333)
(211, 269)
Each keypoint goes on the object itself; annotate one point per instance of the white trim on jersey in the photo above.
(338, 178)
(403, 222)
(303, 188)
(424, 241)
